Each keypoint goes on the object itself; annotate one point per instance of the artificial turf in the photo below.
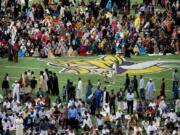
(36, 65)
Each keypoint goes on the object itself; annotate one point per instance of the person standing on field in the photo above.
(141, 87)
(126, 83)
(79, 89)
(150, 87)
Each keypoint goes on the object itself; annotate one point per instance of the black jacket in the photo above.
(5, 84)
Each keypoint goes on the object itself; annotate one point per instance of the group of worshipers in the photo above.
(91, 110)
(47, 31)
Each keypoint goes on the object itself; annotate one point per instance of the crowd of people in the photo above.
(63, 29)
(27, 108)
(42, 30)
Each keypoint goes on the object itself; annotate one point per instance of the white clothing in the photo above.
(71, 133)
(175, 76)
(105, 110)
(79, 86)
(45, 80)
(13, 121)
(105, 131)
(7, 104)
(99, 122)
(104, 98)
(19, 126)
(114, 72)
(45, 76)
(87, 121)
(118, 114)
(173, 116)
(130, 97)
(151, 128)
(162, 106)
(6, 125)
(150, 87)
(44, 132)
(79, 90)
(16, 91)
(62, 11)
(141, 84)
(16, 108)
(114, 68)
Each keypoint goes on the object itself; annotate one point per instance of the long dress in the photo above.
(88, 90)
(98, 95)
(55, 86)
(79, 90)
(105, 98)
(162, 91)
(15, 52)
(19, 126)
(42, 84)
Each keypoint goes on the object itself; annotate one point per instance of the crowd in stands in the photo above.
(63, 29)
(26, 107)
(79, 28)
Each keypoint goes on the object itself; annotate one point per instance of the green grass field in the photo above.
(16, 69)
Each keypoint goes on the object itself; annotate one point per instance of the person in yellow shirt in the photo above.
(137, 22)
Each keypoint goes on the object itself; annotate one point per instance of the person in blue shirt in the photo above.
(88, 89)
(44, 126)
(175, 91)
(98, 96)
(72, 114)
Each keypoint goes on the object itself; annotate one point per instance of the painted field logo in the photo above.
(103, 66)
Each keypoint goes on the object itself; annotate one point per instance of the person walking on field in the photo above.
(130, 99)
(135, 82)
(5, 87)
(126, 83)
(162, 91)
(98, 96)
(175, 77)
(150, 87)
(42, 81)
(33, 83)
(79, 89)
(16, 90)
(114, 71)
(112, 102)
(55, 84)
(141, 87)
(89, 87)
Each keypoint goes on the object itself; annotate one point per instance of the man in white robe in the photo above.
(16, 90)
(79, 89)
(150, 88)
(19, 126)
(114, 71)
